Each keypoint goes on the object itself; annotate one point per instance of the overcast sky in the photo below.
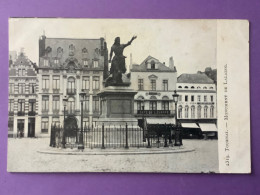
(191, 43)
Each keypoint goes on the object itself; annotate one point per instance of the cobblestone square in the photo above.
(23, 156)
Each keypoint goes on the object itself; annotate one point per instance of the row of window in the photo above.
(21, 105)
(191, 109)
(56, 122)
(71, 104)
(192, 87)
(152, 85)
(153, 105)
(86, 63)
(21, 88)
(192, 98)
(70, 83)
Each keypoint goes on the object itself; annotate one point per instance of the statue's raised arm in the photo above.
(129, 42)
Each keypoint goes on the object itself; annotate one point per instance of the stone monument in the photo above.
(117, 98)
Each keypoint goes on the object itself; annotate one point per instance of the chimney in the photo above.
(171, 63)
(131, 62)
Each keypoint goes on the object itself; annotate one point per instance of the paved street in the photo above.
(23, 157)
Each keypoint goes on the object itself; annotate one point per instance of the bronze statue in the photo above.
(118, 62)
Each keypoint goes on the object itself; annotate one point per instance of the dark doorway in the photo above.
(20, 128)
(31, 127)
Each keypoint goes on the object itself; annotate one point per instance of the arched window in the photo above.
(153, 103)
(199, 111)
(212, 112)
(140, 102)
(71, 85)
(198, 87)
(192, 87)
(180, 87)
(211, 87)
(180, 112)
(165, 103)
(206, 112)
(186, 87)
(71, 105)
(186, 111)
(192, 111)
(204, 87)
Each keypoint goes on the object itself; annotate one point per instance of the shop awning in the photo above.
(208, 127)
(159, 120)
(189, 125)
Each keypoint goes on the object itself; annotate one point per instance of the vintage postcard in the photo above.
(128, 95)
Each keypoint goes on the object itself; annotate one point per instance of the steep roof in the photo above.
(67, 48)
(194, 78)
(22, 60)
(143, 67)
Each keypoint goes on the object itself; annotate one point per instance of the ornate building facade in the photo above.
(66, 68)
(23, 101)
(155, 83)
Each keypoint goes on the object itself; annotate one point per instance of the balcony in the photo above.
(45, 112)
(20, 113)
(56, 112)
(11, 113)
(31, 113)
(56, 90)
(45, 90)
(72, 112)
(146, 113)
(71, 91)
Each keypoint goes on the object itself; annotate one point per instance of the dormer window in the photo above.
(45, 63)
(84, 50)
(95, 64)
(85, 63)
(152, 64)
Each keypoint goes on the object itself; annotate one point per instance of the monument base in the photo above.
(117, 106)
(117, 122)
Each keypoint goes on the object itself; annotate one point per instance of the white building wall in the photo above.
(197, 91)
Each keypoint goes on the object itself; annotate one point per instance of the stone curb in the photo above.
(116, 152)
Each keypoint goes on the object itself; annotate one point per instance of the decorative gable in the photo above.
(152, 77)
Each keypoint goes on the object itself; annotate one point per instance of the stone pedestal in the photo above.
(117, 106)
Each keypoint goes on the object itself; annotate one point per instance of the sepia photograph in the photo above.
(114, 95)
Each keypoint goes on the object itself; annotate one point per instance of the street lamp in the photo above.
(82, 96)
(178, 141)
(142, 106)
(65, 101)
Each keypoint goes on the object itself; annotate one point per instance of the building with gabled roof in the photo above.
(155, 83)
(23, 98)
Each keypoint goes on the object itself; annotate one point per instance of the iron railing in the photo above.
(116, 137)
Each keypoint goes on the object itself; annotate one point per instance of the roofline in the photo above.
(75, 38)
(195, 83)
(152, 71)
(148, 57)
